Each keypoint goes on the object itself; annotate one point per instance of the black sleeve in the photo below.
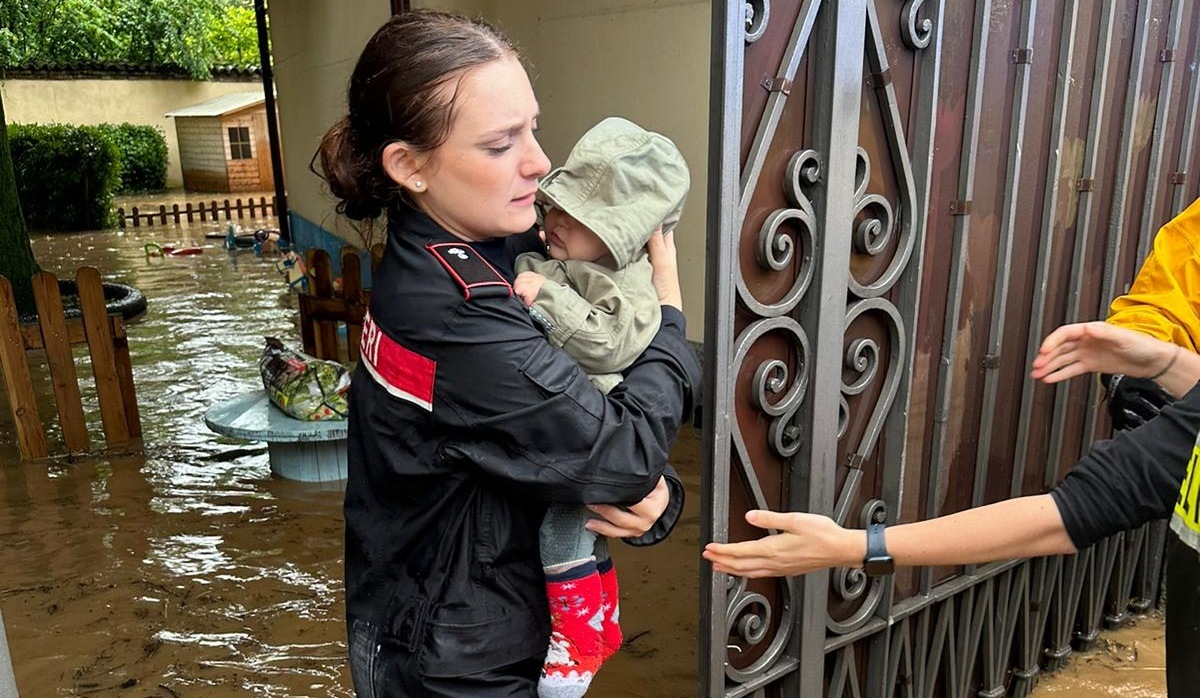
(1132, 478)
(525, 413)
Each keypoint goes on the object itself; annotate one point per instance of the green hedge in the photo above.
(143, 156)
(66, 175)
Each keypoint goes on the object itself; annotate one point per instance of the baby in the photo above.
(595, 299)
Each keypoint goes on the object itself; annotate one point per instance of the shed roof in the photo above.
(220, 106)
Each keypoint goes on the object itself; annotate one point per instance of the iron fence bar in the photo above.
(909, 290)
(1083, 226)
(1100, 571)
(724, 227)
(8, 681)
(1044, 574)
(1012, 189)
(966, 188)
(1054, 165)
(788, 65)
(1116, 220)
(1187, 148)
(839, 37)
(1158, 146)
(1116, 558)
(914, 174)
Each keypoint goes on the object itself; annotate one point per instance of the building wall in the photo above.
(202, 150)
(590, 59)
(90, 102)
(315, 45)
(647, 62)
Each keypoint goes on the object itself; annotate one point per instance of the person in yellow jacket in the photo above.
(1164, 302)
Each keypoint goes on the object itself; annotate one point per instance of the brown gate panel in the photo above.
(906, 198)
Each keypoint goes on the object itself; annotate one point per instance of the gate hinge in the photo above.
(961, 207)
(1085, 184)
(1022, 56)
(1167, 55)
(1179, 177)
(777, 85)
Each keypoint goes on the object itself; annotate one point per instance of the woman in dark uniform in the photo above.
(464, 422)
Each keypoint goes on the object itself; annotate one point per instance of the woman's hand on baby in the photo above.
(527, 286)
(633, 521)
(661, 249)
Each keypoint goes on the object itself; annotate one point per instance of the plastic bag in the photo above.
(302, 386)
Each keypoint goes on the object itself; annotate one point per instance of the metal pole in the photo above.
(264, 59)
(8, 682)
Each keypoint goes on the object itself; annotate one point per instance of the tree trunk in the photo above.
(16, 256)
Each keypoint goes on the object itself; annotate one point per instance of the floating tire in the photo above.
(119, 298)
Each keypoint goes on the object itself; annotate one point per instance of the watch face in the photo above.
(878, 567)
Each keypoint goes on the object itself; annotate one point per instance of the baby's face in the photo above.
(567, 238)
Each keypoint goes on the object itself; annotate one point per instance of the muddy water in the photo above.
(184, 569)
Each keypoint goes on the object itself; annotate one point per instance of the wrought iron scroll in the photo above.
(915, 32)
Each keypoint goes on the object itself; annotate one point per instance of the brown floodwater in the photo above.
(184, 569)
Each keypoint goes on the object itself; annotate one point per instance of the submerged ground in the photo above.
(185, 569)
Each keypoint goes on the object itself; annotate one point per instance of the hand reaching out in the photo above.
(805, 543)
(1073, 350)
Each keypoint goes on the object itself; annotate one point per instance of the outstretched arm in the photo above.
(1086, 347)
(1023, 527)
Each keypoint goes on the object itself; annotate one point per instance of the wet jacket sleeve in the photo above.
(525, 413)
(1132, 478)
(1164, 300)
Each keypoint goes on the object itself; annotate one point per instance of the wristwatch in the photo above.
(877, 562)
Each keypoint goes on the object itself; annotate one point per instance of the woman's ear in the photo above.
(401, 164)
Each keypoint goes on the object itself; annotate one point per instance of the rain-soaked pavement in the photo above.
(185, 569)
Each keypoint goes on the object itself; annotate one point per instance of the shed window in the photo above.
(239, 143)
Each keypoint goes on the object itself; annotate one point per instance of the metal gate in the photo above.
(906, 197)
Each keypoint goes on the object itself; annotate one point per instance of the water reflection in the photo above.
(183, 569)
(186, 570)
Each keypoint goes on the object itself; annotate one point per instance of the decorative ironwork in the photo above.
(915, 32)
(758, 14)
(819, 323)
(749, 619)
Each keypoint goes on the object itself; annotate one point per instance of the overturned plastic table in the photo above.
(298, 450)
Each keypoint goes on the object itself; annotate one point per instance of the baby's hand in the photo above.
(527, 285)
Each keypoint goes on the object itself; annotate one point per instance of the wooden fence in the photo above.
(325, 306)
(54, 334)
(211, 211)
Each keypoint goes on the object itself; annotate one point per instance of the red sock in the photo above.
(611, 629)
(576, 648)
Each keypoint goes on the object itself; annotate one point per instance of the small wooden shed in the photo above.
(223, 144)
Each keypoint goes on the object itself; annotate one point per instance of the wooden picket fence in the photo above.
(323, 308)
(54, 335)
(211, 211)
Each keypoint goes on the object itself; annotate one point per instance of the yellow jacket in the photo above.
(1164, 301)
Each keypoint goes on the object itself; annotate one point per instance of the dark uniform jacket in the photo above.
(464, 423)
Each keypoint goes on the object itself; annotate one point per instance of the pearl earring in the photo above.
(418, 185)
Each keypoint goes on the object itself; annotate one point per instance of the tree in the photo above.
(188, 35)
(16, 256)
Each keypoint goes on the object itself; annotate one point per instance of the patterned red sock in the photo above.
(576, 648)
(610, 595)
